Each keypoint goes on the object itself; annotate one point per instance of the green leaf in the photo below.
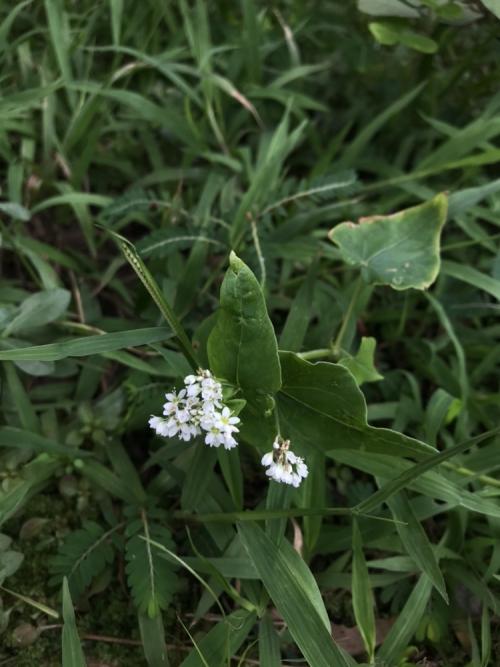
(390, 33)
(269, 643)
(415, 541)
(222, 641)
(152, 579)
(362, 595)
(472, 276)
(493, 6)
(83, 556)
(10, 560)
(299, 315)
(20, 398)
(88, 345)
(39, 309)
(153, 640)
(387, 8)
(33, 477)
(321, 405)
(72, 654)
(144, 275)
(15, 211)
(400, 250)
(384, 33)
(362, 365)
(407, 623)
(242, 346)
(408, 476)
(295, 593)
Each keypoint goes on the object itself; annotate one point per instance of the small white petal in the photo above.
(267, 459)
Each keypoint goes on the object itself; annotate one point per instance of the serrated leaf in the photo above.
(84, 555)
(151, 578)
(400, 250)
(321, 405)
(242, 346)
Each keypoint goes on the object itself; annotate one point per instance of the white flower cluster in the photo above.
(283, 465)
(197, 409)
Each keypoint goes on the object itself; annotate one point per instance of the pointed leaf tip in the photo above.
(235, 262)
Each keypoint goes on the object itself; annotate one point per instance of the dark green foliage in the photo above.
(151, 578)
(194, 130)
(83, 556)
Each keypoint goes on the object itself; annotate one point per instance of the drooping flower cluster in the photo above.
(197, 409)
(283, 465)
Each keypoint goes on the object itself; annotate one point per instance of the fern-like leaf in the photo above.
(83, 556)
(151, 578)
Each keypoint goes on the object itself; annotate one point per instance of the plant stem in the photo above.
(316, 354)
(337, 345)
(467, 472)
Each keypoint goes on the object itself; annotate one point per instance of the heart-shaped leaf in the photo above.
(321, 405)
(400, 250)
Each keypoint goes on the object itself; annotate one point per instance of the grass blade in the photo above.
(72, 653)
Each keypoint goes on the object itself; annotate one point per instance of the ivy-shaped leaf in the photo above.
(242, 346)
(400, 250)
(321, 405)
(361, 364)
(84, 555)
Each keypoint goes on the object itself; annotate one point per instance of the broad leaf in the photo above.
(493, 6)
(39, 309)
(295, 593)
(321, 405)
(400, 250)
(242, 346)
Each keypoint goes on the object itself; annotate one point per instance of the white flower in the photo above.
(195, 409)
(226, 421)
(174, 402)
(283, 465)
